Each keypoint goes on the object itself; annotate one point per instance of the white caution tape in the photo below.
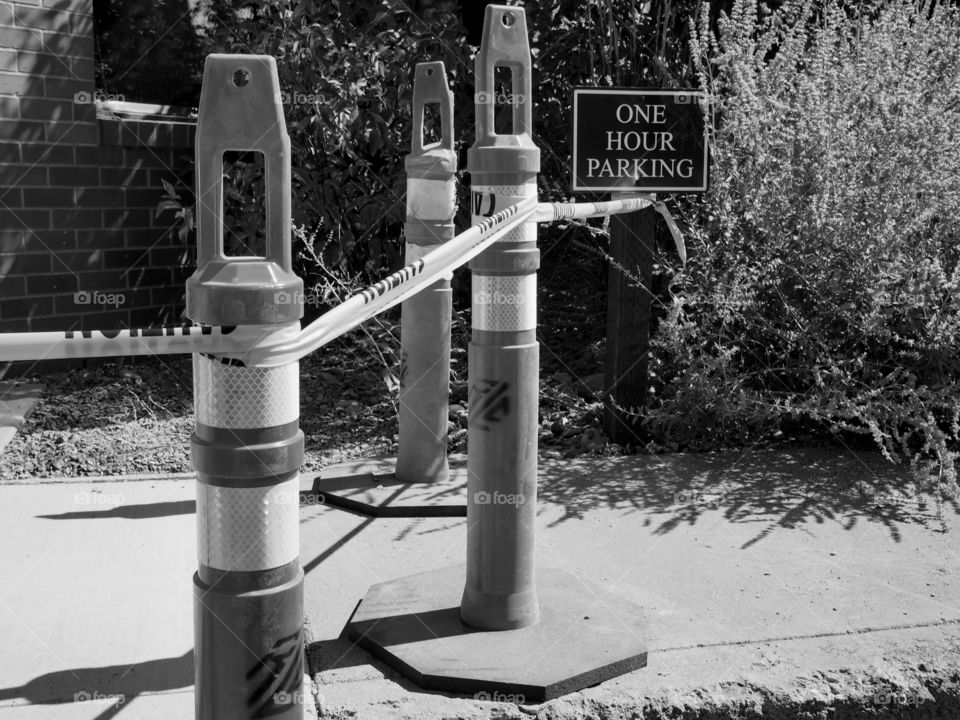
(135, 341)
(548, 212)
(393, 289)
(270, 346)
(485, 200)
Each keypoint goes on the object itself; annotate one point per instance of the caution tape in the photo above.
(550, 212)
(393, 289)
(270, 346)
(135, 341)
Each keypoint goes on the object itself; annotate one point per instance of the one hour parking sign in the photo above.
(638, 140)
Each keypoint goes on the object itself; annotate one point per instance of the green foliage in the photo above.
(823, 287)
(346, 73)
(147, 51)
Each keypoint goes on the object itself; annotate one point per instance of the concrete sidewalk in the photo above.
(787, 583)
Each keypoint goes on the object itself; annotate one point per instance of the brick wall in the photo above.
(80, 247)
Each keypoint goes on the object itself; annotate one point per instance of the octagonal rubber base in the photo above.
(585, 635)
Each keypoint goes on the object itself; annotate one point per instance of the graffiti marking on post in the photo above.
(489, 403)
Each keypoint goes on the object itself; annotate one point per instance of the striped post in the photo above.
(503, 358)
(425, 318)
(247, 447)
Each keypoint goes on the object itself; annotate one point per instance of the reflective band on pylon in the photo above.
(489, 199)
(504, 303)
(242, 529)
(431, 199)
(230, 396)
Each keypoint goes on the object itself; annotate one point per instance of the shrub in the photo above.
(823, 285)
(346, 73)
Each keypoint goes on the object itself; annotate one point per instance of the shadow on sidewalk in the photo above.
(112, 685)
(131, 512)
(780, 488)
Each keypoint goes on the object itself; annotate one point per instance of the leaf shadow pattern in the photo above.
(781, 488)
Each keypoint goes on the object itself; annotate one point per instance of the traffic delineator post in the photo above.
(494, 626)
(247, 447)
(503, 375)
(425, 317)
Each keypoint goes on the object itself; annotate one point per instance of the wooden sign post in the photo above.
(638, 141)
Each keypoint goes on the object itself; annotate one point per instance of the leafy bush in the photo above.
(823, 286)
(346, 74)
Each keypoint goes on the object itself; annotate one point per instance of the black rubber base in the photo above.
(585, 635)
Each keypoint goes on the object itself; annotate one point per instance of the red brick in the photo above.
(11, 198)
(82, 24)
(6, 13)
(73, 133)
(99, 197)
(23, 175)
(48, 154)
(22, 130)
(54, 240)
(12, 286)
(46, 64)
(26, 307)
(70, 45)
(98, 156)
(82, 67)
(10, 152)
(120, 177)
(8, 60)
(74, 219)
(79, 261)
(45, 19)
(105, 280)
(74, 6)
(57, 323)
(53, 283)
(9, 106)
(148, 277)
(30, 263)
(21, 39)
(17, 83)
(25, 219)
(74, 176)
(143, 197)
(141, 157)
(168, 256)
(127, 218)
(13, 240)
(48, 197)
(97, 237)
(67, 89)
(33, 108)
